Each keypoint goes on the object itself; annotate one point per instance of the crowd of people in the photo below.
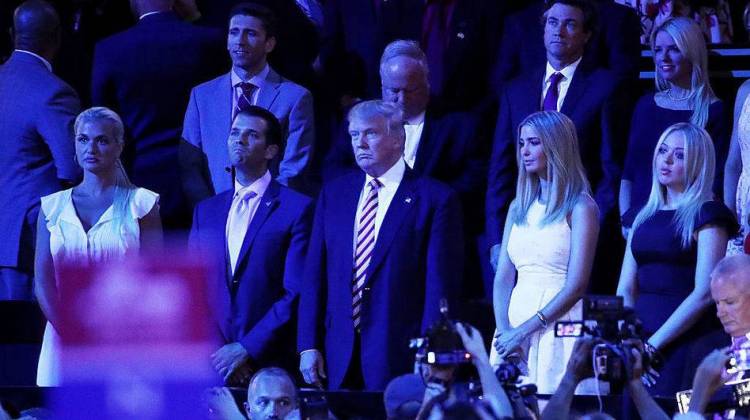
(424, 154)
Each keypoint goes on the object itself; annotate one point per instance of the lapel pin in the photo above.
(407, 200)
(268, 204)
(460, 35)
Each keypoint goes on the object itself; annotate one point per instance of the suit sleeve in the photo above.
(445, 265)
(55, 126)
(624, 40)
(502, 173)
(613, 135)
(260, 338)
(101, 83)
(340, 159)
(299, 144)
(196, 178)
(314, 285)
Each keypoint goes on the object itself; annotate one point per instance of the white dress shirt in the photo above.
(413, 129)
(44, 61)
(258, 80)
(564, 83)
(390, 180)
(238, 235)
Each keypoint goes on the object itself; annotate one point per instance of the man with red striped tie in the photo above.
(386, 247)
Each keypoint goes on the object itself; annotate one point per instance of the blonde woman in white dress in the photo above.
(549, 241)
(102, 219)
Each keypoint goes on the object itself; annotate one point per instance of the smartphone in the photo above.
(568, 329)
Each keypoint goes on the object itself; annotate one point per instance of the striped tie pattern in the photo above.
(245, 99)
(365, 245)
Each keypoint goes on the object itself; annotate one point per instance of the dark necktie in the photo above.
(550, 99)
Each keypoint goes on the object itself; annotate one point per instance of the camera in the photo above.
(606, 318)
(441, 345)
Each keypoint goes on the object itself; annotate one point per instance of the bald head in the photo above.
(730, 290)
(36, 28)
(270, 395)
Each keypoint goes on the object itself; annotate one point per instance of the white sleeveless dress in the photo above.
(540, 255)
(70, 243)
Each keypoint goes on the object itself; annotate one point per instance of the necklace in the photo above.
(677, 99)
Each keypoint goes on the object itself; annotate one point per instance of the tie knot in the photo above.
(375, 184)
(247, 88)
(555, 78)
(245, 195)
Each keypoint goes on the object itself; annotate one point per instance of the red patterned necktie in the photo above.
(365, 245)
(245, 99)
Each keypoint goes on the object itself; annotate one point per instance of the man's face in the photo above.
(732, 304)
(247, 42)
(247, 145)
(564, 34)
(270, 397)
(404, 83)
(375, 149)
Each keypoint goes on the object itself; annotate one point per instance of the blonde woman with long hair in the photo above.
(683, 94)
(674, 243)
(104, 218)
(549, 243)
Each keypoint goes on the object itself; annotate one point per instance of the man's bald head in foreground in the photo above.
(730, 290)
(36, 28)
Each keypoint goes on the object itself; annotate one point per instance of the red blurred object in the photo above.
(747, 244)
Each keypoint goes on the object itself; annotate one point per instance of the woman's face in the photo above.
(670, 161)
(531, 150)
(670, 63)
(96, 148)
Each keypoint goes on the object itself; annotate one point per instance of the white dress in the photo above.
(742, 203)
(70, 243)
(540, 255)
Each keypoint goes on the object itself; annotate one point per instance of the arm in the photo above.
(444, 257)
(623, 199)
(627, 286)
(709, 377)
(712, 245)
(644, 403)
(196, 178)
(584, 223)
(55, 126)
(45, 285)
(152, 238)
(733, 167)
(579, 367)
(300, 143)
(505, 279)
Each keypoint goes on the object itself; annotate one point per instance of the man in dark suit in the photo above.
(37, 110)
(614, 44)
(251, 81)
(442, 145)
(386, 247)
(565, 84)
(145, 73)
(257, 233)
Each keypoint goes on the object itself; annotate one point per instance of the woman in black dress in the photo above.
(674, 243)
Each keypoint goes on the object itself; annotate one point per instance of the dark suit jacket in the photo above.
(256, 305)
(451, 150)
(615, 45)
(417, 260)
(37, 110)
(592, 103)
(145, 74)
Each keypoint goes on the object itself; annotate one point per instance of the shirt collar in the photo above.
(151, 13)
(566, 71)
(257, 80)
(44, 61)
(259, 186)
(391, 177)
(419, 119)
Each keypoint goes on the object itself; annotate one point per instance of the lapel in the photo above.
(344, 214)
(220, 235)
(426, 150)
(267, 205)
(270, 89)
(575, 91)
(402, 204)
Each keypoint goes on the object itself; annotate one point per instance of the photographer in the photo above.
(709, 377)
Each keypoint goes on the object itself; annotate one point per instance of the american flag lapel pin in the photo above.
(407, 200)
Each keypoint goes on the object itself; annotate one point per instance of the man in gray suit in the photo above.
(251, 81)
(37, 110)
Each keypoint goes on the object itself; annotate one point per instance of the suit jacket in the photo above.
(615, 45)
(451, 150)
(256, 305)
(145, 74)
(417, 260)
(592, 103)
(209, 118)
(37, 110)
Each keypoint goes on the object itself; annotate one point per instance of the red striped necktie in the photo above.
(365, 245)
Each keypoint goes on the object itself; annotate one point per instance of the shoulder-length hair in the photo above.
(700, 162)
(688, 37)
(565, 173)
